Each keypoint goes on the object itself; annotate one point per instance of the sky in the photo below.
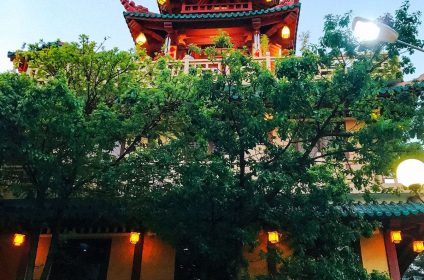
(28, 21)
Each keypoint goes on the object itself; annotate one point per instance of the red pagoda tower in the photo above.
(181, 23)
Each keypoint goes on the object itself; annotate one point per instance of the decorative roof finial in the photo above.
(130, 6)
(288, 2)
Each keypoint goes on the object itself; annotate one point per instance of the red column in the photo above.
(392, 259)
(138, 254)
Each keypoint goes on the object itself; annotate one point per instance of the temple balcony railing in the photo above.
(205, 64)
(216, 7)
(267, 61)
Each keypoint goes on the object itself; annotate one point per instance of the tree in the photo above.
(263, 151)
(65, 124)
(416, 269)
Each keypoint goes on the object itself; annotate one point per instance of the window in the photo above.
(82, 259)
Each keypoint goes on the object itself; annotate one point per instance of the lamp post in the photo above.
(366, 30)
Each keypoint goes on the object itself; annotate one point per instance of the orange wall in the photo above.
(158, 261)
(121, 258)
(353, 125)
(257, 264)
(373, 253)
(11, 257)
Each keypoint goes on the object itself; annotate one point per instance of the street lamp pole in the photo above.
(366, 30)
(409, 45)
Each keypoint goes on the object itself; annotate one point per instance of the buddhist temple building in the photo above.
(109, 247)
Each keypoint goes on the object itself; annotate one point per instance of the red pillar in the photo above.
(138, 254)
(392, 259)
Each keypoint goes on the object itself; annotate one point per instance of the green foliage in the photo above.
(194, 49)
(225, 177)
(264, 44)
(415, 269)
(66, 124)
(95, 74)
(406, 24)
(222, 40)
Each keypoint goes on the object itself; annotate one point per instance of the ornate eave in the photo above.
(217, 15)
(177, 6)
(268, 21)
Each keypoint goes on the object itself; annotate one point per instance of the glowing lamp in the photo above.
(418, 246)
(134, 237)
(366, 30)
(396, 236)
(141, 39)
(410, 172)
(273, 237)
(18, 239)
(161, 2)
(285, 32)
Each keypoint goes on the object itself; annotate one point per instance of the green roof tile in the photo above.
(417, 86)
(212, 15)
(377, 210)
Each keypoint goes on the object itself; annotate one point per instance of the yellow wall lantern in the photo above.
(273, 237)
(161, 2)
(18, 239)
(285, 32)
(418, 246)
(134, 237)
(141, 39)
(396, 236)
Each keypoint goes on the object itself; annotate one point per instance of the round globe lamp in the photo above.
(410, 172)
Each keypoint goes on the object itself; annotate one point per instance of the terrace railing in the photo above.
(207, 65)
(216, 7)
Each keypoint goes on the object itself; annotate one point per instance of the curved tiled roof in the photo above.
(392, 209)
(19, 213)
(418, 85)
(212, 15)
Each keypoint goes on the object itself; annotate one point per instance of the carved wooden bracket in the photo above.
(256, 23)
(167, 25)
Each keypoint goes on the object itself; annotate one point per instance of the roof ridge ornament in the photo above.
(130, 6)
(288, 2)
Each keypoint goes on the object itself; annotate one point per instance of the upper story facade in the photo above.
(182, 23)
